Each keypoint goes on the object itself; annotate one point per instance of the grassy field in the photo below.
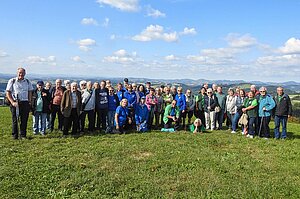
(149, 165)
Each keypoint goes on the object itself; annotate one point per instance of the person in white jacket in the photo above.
(230, 106)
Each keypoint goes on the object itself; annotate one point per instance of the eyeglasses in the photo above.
(262, 91)
(111, 90)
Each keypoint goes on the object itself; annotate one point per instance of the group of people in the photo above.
(129, 107)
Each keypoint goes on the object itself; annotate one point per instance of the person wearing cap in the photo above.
(283, 111)
(40, 108)
(141, 115)
(265, 107)
(126, 83)
(19, 94)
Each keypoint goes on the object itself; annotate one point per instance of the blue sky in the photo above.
(210, 39)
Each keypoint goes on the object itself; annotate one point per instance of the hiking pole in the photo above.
(261, 122)
(17, 111)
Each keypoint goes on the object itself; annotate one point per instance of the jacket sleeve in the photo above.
(63, 102)
(290, 109)
(271, 104)
(184, 102)
(137, 115)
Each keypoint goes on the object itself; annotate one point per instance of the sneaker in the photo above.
(250, 136)
(233, 131)
(266, 138)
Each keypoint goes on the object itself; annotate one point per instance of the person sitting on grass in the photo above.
(142, 115)
(122, 119)
(171, 115)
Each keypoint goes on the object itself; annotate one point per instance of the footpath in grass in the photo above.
(148, 165)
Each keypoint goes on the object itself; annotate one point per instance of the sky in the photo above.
(187, 39)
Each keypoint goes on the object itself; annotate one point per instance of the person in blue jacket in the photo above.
(266, 105)
(181, 104)
(113, 103)
(122, 119)
(141, 115)
(130, 95)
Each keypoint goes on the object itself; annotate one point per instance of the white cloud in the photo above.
(121, 56)
(77, 59)
(237, 41)
(171, 58)
(86, 44)
(291, 46)
(188, 31)
(106, 22)
(123, 5)
(89, 21)
(155, 32)
(154, 13)
(41, 60)
(3, 54)
(280, 61)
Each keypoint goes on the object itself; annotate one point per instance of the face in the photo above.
(174, 89)
(129, 88)
(102, 84)
(152, 92)
(83, 86)
(203, 91)
(141, 89)
(39, 86)
(89, 85)
(252, 88)
(214, 87)
(134, 86)
(173, 103)
(280, 91)
(96, 85)
(111, 91)
(263, 92)
(74, 88)
(179, 91)
(209, 93)
(250, 95)
(119, 86)
(188, 92)
(230, 93)
(143, 101)
(242, 93)
(48, 86)
(219, 89)
(124, 103)
(157, 91)
(21, 74)
(167, 90)
(68, 86)
(58, 83)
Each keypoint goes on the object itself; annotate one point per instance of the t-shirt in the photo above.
(122, 115)
(58, 96)
(39, 102)
(251, 102)
(19, 88)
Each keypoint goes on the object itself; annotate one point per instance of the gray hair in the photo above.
(73, 84)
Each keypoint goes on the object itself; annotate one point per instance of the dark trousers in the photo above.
(189, 114)
(200, 114)
(72, 120)
(220, 118)
(101, 120)
(169, 124)
(151, 117)
(55, 109)
(251, 125)
(24, 109)
(91, 118)
(264, 129)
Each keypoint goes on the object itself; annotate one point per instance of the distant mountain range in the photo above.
(290, 86)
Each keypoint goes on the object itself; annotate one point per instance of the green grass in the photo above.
(149, 165)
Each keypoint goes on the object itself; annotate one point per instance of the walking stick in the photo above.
(261, 122)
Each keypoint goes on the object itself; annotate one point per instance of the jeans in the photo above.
(235, 120)
(39, 124)
(24, 109)
(230, 119)
(251, 125)
(110, 120)
(48, 121)
(283, 121)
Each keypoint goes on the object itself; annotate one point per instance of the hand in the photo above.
(14, 104)
(264, 108)
(129, 121)
(208, 108)
(117, 127)
(44, 94)
(289, 116)
(244, 110)
(183, 111)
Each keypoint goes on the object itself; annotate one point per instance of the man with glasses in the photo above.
(283, 111)
(266, 104)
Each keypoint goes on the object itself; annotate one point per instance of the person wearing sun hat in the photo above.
(40, 107)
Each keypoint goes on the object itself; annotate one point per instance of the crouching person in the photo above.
(70, 107)
(122, 119)
(142, 115)
(40, 108)
(171, 116)
(197, 126)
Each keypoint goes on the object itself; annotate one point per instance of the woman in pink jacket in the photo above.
(151, 102)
